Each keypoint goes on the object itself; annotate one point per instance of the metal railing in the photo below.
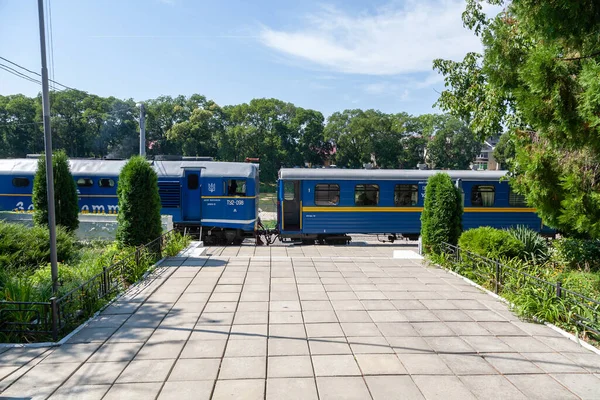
(39, 321)
(581, 310)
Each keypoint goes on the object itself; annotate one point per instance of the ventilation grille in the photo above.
(169, 194)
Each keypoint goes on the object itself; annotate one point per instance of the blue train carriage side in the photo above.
(327, 204)
(220, 197)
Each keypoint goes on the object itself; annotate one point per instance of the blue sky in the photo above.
(328, 56)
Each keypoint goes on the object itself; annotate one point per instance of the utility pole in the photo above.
(142, 130)
(48, 149)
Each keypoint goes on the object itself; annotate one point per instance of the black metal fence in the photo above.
(577, 309)
(40, 321)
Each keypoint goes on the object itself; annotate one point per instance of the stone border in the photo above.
(564, 333)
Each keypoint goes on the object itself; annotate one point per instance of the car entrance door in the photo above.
(191, 204)
(291, 206)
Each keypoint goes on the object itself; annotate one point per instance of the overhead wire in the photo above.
(19, 74)
(36, 73)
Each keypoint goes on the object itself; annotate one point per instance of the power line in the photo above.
(18, 74)
(36, 73)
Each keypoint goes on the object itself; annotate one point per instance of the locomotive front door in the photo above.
(191, 203)
(291, 206)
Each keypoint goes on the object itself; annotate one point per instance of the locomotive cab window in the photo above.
(106, 183)
(483, 196)
(516, 200)
(366, 195)
(85, 182)
(192, 182)
(235, 187)
(406, 195)
(20, 182)
(327, 195)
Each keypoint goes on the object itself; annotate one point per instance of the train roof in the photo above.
(384, 174)
(101, 168)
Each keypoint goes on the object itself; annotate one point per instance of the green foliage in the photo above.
(578, 254)
(454, 146)
(27, 248)
(538, 76)
(139, 204)
(535, 247)
(175, 243)
(505, 151)
(66, 202)
(441, 219)
(491, 243)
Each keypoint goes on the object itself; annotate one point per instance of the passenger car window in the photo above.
(192, 181)
(516, 200)
(20, 182)
(366, 195)
(234, 187)
(406, 195)
(85, 182)
(106, 182)
(289, 192)
(327, 195)
(482, 196)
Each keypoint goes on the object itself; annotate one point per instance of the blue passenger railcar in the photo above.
(327, 204)
(220, 197)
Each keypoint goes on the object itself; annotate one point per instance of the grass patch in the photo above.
(270, 224)
(268, 202)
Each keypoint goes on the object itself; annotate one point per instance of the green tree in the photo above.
(538, 76)
(453, 146)
(505, 151)
(66, 201)
(20, 126)
(441, 219)
(139, 204)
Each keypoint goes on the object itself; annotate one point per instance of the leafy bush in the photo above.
(535, 246)
(441, 219)
(175, 243)
(27, 248)
(492, 243)
(65, 193)
(578, 254)
(139, 204)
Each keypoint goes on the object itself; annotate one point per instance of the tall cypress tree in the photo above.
(441, 219)
(66, 201)
(139, 203)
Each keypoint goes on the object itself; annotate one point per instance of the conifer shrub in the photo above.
(491, 243)
(66, 201)
(441, 219)
(24, 248)
(139, 204)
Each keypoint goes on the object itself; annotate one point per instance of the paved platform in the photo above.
(305, 322)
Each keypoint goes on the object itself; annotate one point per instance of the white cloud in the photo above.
(394, 40)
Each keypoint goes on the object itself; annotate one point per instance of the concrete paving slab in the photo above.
(197, 369)
(540, 387)
(243, 368)
(133, 391)
(87, 392)
(291, 389)
(393, 388)
(486, 387)
(146, 371)
(242, 389)
(186, 390)
(342, 388)
(289, 367)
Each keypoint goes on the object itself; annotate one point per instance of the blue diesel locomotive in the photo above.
(325, 205)
(219, 197)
